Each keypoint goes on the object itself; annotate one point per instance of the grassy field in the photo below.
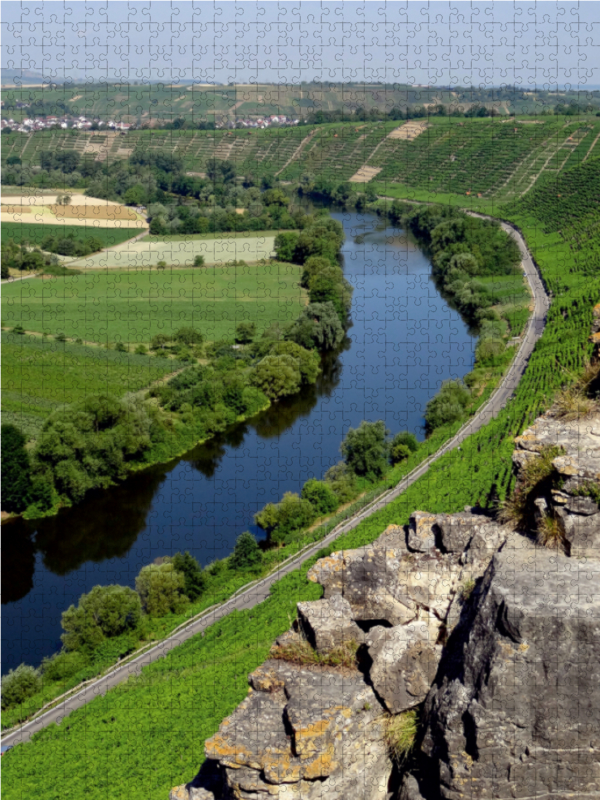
(181, 251)
(34, 233)
(38, 375)
(133, 305)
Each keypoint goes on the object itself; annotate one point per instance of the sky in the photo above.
(542, 44)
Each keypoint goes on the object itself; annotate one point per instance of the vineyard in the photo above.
(482, 158)
(147, 735)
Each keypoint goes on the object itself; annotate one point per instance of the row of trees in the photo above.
(367, 451)
(118, 616)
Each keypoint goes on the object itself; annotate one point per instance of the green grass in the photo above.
(134, 305)
(200, 237)
(35, 233)
(39, 375)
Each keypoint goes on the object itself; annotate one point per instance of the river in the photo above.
(405, 340)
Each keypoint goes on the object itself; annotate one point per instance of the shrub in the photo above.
(449, 405)
(19, 329)
(365, 449)
(141, 350)
(161, 588)
(300, 652)
(402, 445)
(159, 341)
(19, 684)
(161, 265)
(121, 348)
(320, 495)
(246, 553)
(199, 261)
(188, 336)
(64, 665)
(105, 612)
(342, 481)
(308, 361)
(195, 580)
(401, 734)
(60, 337)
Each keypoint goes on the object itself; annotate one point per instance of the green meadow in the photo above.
(132, 306)
(34, 233)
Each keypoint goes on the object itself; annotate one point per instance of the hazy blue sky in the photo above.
(430, 43)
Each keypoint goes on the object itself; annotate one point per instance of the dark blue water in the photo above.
(404, 342)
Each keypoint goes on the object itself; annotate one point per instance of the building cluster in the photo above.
(66, 122)
(261, 122)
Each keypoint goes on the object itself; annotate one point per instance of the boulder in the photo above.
(405, 661)
(421, 531)
(328, 624)
(515, 708)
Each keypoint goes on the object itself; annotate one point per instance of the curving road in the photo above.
(255, 594)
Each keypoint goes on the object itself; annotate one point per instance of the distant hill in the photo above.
(20, 77)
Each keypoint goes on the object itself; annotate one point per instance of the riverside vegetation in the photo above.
(564, 247)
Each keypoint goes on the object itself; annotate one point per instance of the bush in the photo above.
(342, 482)
(449, 405)
(308, 361)
(188, 336)
(141, 350)
(120, 347)
(105, 612)
(161, 588)
(60, 337)
(19, 684)
(195, 579)
(320, 495)
(277, 376)
(246, 553)
(16, 470)
(403, 444)
(64, 665)
(199, 261)
(365, 449)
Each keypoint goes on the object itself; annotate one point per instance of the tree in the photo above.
(159, 341)
(285, 246)
(161, 589)
(293, 513)
(246, 553)
(277, 376)
(317, 326)
(449, 405)
(103, 613)
(268, 517)
(16, 470)
(188, 336)
(313, 266)
(199, 261)
(161, 265)
(403, 444)
(135, 195)
(19, 684)
(365, 449)
(245, 332)
(64, 665)
(308, 361)
(320, 495)
(195, 580)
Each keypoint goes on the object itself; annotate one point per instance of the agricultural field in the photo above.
(82, 210)
(181, 251)
(133, 305)
(41, 374)
(35, 233)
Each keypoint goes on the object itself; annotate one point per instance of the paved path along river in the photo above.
(260, 591)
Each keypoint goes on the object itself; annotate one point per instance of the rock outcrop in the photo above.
(310, 730)
(515, 708)
(573, 501)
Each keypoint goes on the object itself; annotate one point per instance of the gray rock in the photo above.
(405, 661)
(421, 531)
(515, 710)
(582, 505)
(409, 790)
(456, 531)
(581, 533)
(328, 623)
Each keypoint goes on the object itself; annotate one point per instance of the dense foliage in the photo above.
(366, 449)
(104, 612)
(16, 470)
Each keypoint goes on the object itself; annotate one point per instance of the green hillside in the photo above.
(147, 735)
(494, 157)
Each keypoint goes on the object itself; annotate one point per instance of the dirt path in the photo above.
(297, 151)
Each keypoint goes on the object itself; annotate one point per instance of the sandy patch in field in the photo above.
(42, 216)
(77, 97)
(93, 212)
(16, 210)
(409, 131)
(365, 174)
(180, 253)
(35, 199)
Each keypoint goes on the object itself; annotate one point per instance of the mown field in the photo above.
(35, 233)
(181, 251)
(147, 735)
(133, 305)
(38, 375)
(497, 158)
